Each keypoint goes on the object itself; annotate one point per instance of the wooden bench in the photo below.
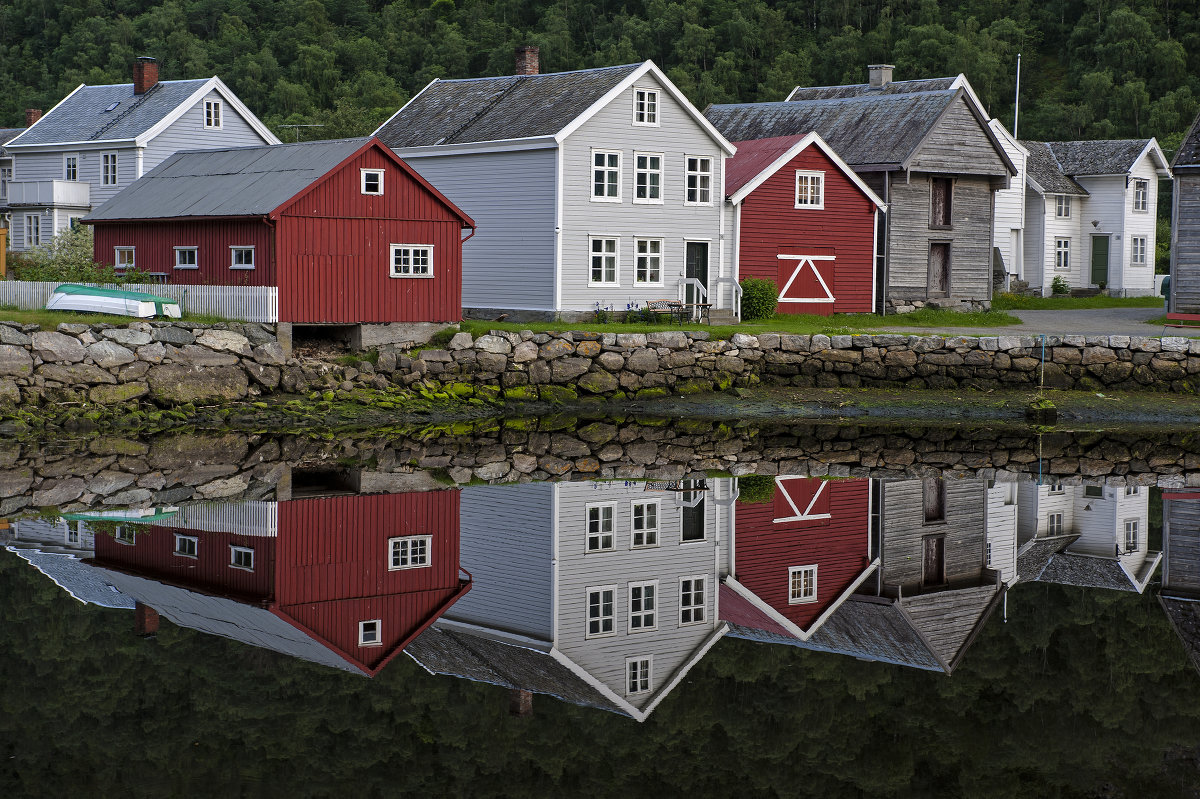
(664, 307)
(1182, 320)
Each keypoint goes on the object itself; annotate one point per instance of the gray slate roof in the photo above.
(865, 89)
(1086, 571)
(442, 650)
(1044, 169)
(1188, 154)
(1184, 615)
(1107, 157)
(1037, 552)
(76, 578)
(81, 117)
(8, 134)
(495, 109)
(243, 181)
(877, 129)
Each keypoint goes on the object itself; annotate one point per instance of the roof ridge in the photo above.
(136, 104)
(853, 98)
(488, 106)
(543, 74)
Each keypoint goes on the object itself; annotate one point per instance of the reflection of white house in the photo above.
(52, 535)
(602, 594)
(1089, 536)
(1000, 544)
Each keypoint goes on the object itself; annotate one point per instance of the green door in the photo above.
(696, 265)
(1099, 260)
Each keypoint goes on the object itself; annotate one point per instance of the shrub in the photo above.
(759, 298)
(1059, 285)
(756, 489)
(67, 258)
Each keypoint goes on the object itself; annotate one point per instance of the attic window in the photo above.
(112, 106)
(212, 114)
(372, 181)
(645, 107)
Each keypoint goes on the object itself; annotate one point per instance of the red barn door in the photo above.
(806, 281)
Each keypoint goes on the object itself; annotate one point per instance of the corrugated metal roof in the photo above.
(1105, 157)
(1188, 154)
(878, 129)
(1044, 169)
(76, 578)
(243, 181)
(495, 109)
(82, 116)
(753, 157)
(865, 89)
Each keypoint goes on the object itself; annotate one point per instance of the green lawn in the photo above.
(50, 320)
(803, 324)
(1014, 302)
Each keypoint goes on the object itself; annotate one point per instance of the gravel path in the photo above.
(1090, 322)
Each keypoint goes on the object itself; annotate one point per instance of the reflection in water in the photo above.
(1180, 593)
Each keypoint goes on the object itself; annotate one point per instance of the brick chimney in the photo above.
(145, 74)
(881, 75)
(520, 703)
(32, 115)
(145, 620)
(527, 60)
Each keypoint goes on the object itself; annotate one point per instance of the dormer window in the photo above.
(212, 114)
(371, 181)
(645, 107)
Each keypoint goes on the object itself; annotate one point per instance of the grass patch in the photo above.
(49, 320)
(1016, 302)
(798, 324)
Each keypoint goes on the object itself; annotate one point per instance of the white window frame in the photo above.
(186, 546)
(33, 230)
(650, 535)
(646, 107)
(811, 175)
(693, 179)
(804, 596)
(638, 610)
(700, 610)
(1062, 254)
(1132, 526)
(412, 250)
(376, 632)
(638, 256)
(1132, 491)
(608, 170)
(600, 534)
(124, 535)
(587, 610)
(1055, 488)
(1137, 251)
(6, 176)
(1054, 523)
(640, 669)
(987, 554)
(74, 533)
(1062, 206)
(234, 552)
(71, 166)
(195, 252)
(1141, 196)
(233, 248)
(109, 168)
(638, 172)
(363, 174)
(403, 546)
(214, 117)
(117, 251)
(604, 255)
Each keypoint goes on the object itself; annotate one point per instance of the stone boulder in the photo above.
(224, 341)
(126, 336)
(114, 395)
(178, 384)
(15, 361)
(57, 348)
(107, 354)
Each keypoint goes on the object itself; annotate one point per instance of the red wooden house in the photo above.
(345, 230)
(796, 559)
(346, 582)
(805, 220)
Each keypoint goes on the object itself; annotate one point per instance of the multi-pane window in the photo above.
(241, 257)
(645, 107)
(649, 261)
(1141, 195)
(33, 230)
(941, 195)
(108, 169)
(1132, 491)
(606, 176)
(643, 598)
(699, 180)
(371, 181)
(186, 545)
(605, 259)
(412, 260)
(241, 557)
(187, 258)
(1054, 524)
(644, 529)
(802, 584)
(212, 114)
(638, 673)
(1131, 535)
(647, 178)
(369, 633)
(810, 189)
(409, 552)
(1062, 254)
(1137, 253)
(1062, 206)
(71, 166)
(987, 554)
(691, 600)
(600, 527)
(1055, 488)
(600, 609)
(5, 179)
(73, 533)
(123, 258)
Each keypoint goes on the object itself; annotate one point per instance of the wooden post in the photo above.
(3, 253)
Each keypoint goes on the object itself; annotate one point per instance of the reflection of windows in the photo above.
(645, 524)
(600, 609)
(108, 169)
(241, 257)
(1137, 254)
(638, 671)
(802, 584)
(412, 260)
(642, 599)
(186, 545)
(691, 600)
(599, 527)
(212, 114)
(123, 535)
(124, 258)
(241, 557)
(369, 633)
(1054, 524)
(1055, 488)
(649, 262)
(987, 554)
(1132, 491)
(933, 492)
(933, 565)
(1093, 492)
(1131, 535)
(71, 166)
(409, 552)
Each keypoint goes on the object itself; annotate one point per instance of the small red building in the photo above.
(797, 558)
(803, 219)
(346, 582)
(345, 230)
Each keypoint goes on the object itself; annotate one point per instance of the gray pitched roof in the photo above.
(1184, 615)
(1044, 169)
(82, 117)
(76, 578)
(1107, 157)
(8, 134)
(871, 130)
(1188, 154)
(442, 650)
(243, 181)
(495, 109)
(1037, 552)
(865, 89)
(1086, 571)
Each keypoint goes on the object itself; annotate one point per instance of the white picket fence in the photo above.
(243, 303)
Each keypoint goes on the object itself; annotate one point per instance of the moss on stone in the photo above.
(652, 393)
(557, 394)
(521, 393)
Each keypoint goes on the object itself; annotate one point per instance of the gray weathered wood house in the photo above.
(925, 147)
(1185, 225)
(1180, 592)
(600, 188)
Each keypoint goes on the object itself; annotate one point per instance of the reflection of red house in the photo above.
(803, 219)
(309, 586)
(796, 559)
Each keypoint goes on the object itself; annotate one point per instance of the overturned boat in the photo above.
(93, 299)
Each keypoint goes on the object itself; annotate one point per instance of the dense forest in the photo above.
(1090, 68)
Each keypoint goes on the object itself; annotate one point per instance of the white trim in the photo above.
(213, 83)
(220, 114)
(600, 534)
(616, 281)
(705, 589)
(58, 147)
(806, 514)
(687, 174)
(392, 248)
(807, 259)
(558, 228)
(657, 529)
(195, 542)
(656, 123)
(810, 174)
(647, 678)
(132, 250)
(793, 151)
(253, 256)
(362, 181)
(587, 602)
(378, 632)
(391, 551)
(662, 260)
(802, 600)
(608, 170)
(784, 621)
(234, 551)
(661, 172)
(193, 248)
(474, 147)
(401, 108)
(16, 141)
(116, 162)
(652, 612)
(71, 154)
